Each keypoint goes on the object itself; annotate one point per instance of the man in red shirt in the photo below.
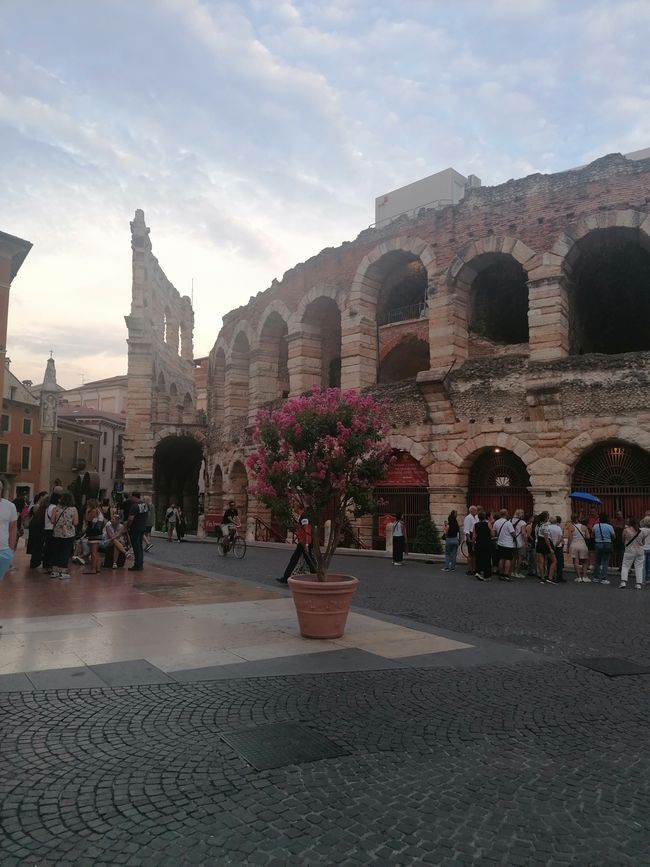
(303, 548)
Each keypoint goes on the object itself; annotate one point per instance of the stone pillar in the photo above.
(46, 462)
(448, 327)
(548, 318)
(305, 359)
(359, 350)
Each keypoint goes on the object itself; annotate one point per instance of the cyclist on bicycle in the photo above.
(230, 523)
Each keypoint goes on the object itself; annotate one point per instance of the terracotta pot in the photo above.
(322, 606)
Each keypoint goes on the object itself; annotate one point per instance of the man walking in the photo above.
(136, 526)
(303, 548)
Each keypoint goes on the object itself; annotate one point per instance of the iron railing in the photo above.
(266, 533)
(402, 314)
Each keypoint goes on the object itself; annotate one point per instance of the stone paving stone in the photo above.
(131, 673)
(65, 678)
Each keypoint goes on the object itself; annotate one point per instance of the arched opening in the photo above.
(175, 406)
(240, 363)
(167, 314)
(324, 316)
(403, 288)
(405, 361)
(218, 388)
(238, 491)
(405, 489)
(618, 474)
(176, 466)
(609, 293)
(498, 479)
(498, 300)
(274, 357)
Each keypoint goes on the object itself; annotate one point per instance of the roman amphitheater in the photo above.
(509, 335)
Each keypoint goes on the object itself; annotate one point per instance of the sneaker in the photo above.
(64, 576)
(54, 574)
(586, 580)
(639, 586)
(622, 585)
(446, 569)
(114, 566)
(148, 547)
(505, 578)
(480, 577)
(79, 560)
(605, 581)
(577, 580)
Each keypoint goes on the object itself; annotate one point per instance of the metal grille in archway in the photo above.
(499, 479)
(619, 474)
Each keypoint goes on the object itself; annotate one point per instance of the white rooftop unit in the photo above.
(444, 188)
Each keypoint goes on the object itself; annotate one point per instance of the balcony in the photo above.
(402, 314)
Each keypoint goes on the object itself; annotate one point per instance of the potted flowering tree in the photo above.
(321, 454)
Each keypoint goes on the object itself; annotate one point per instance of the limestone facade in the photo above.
(513, 323)
(164, 434)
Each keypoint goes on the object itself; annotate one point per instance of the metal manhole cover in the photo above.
(280, 744)
(612, 666)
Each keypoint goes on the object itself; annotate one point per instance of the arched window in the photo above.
(609, 293)
(404, 361)
(498, 479)
(273, 374)
(403, 289)
(619, 475)
(499, 299)
(325, 318)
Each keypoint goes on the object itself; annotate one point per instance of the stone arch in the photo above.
(176, 466)
(488, 289)
(276, 306)
(162, 399)
(238, 374)
(405, 489)
(238, 488)
(315, 337)
(404, 360)
(325, 290)
(375, 290)
(628, 434)
(464, 455)
(605, 273)
(272, 357)
(497, 478)
(188, 409)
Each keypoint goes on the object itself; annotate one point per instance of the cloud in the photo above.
(253, 134)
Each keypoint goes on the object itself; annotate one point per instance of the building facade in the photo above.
(20, 439)
(509, 335)
(110, 429)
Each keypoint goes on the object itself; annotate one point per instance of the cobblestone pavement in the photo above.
(519, 765)
(566, 620)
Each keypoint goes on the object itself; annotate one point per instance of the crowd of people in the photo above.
(517, 547)
(59, 534)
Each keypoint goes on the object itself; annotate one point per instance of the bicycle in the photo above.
(237, 545)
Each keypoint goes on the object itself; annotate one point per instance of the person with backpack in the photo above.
(578, 533)
(505, 537)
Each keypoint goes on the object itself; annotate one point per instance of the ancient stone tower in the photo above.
(163, 447)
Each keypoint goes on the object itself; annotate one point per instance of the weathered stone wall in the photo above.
(534, 399)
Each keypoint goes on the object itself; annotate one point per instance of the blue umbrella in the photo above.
(585, 498)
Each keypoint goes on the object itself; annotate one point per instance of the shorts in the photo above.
(470, 546)
(541, 547)
(578, 551)
(505, 553)
(6, 558)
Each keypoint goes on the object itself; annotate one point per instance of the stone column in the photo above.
(359, 347)
(46, 462)
(448, 327)
(305, 359)
(548, 318)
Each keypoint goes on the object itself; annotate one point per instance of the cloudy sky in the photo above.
(255, 133)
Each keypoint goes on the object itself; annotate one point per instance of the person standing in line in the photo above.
(399, 540)
(8, 532)
(578, 533)
(519, 527)
(545, 551)
(469, 523)
(48, 526)
(604, 538)
(66, 519)
(304, 542)
(36, 538)
(504, 535)
(135, 526)
(452, 540)
(634, 539)
(151, 523)
(646, 550)
(171, 516)
(556, 532)
(482, 546)
(619, 524)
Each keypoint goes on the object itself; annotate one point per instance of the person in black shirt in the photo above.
(230, 522)
(136, 524)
